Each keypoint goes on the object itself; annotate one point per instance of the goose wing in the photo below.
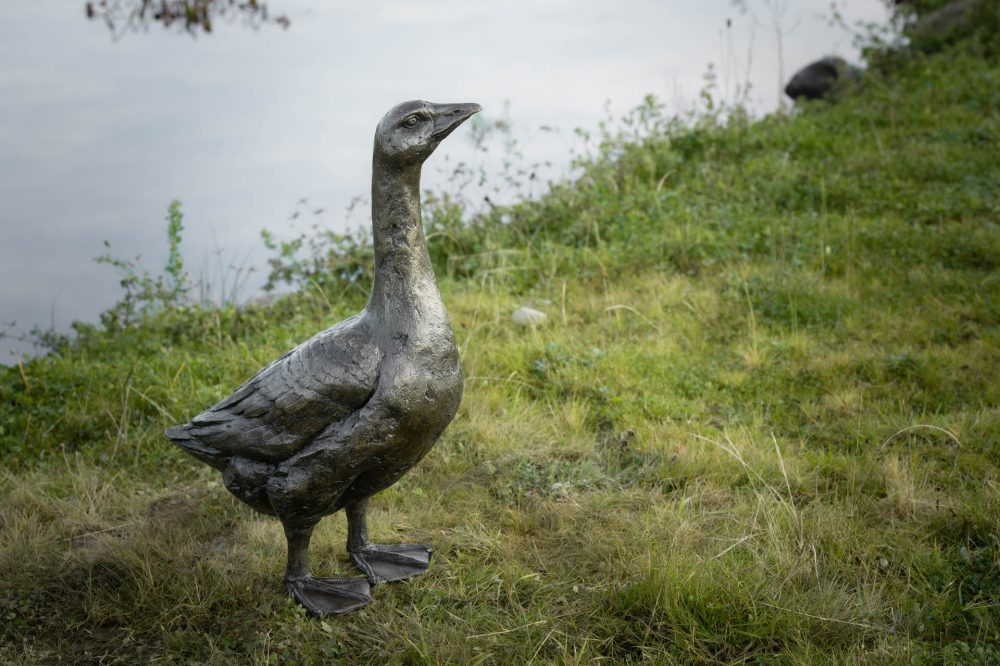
(282, 408)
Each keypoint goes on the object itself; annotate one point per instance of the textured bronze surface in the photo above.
(348, 412)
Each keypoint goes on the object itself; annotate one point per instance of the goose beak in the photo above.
(449, 116)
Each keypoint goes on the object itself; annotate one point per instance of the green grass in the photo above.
(761, 425)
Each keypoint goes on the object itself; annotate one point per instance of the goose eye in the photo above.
(411, 121)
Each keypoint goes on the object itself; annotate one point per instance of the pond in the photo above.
(102, 126)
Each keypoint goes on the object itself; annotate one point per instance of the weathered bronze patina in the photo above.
(348, 412)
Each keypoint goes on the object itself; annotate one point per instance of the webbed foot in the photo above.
(388, 563)
(329, 596)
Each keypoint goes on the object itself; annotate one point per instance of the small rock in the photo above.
(529, 317)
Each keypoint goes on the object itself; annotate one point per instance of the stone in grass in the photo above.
(526, 316)
(822, 79)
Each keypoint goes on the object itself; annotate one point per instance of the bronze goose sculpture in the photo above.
(349, 411)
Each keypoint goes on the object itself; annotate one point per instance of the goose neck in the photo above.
(403, 273)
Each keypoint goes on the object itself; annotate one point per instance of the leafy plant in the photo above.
(146, 293)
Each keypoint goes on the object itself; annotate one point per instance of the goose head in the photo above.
(410, 132)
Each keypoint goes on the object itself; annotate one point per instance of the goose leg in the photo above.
(319, 596)
(382, 562)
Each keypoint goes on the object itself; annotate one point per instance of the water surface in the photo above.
(100, 134)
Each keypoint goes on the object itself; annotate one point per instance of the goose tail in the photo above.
(182, 437)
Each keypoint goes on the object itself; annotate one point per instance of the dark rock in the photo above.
(822, 79)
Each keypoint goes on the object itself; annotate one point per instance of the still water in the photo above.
(101, 129)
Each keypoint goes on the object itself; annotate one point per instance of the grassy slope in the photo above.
(763, 422)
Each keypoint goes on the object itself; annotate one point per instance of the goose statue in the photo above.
(349, 411)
